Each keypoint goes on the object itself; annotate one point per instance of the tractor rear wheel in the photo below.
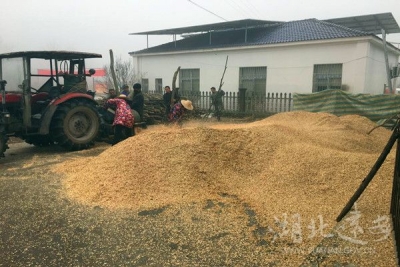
(75, 124)
(3, 143)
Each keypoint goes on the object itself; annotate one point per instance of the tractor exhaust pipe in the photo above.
(26, 92)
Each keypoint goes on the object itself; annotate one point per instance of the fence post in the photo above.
(229, 98)
(202, 100)
(242, 99)
(234, 101)
(285, 102)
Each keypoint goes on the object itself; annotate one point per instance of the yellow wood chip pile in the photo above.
(308, 164)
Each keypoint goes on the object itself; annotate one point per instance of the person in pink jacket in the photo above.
(178, 110)
(123, 119)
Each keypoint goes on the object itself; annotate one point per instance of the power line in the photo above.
(256, 11)
(243, 10)
(237, 8)
(207, 10)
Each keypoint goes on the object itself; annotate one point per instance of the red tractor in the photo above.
(54, 107)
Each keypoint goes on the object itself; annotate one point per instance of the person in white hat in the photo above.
(178, 110)
(123, 119)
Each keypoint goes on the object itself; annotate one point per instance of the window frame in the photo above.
(189, 77)
(254, 79)
(158, 85)
(327, 76)
(145, 85)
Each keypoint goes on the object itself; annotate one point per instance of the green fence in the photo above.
(339, 102)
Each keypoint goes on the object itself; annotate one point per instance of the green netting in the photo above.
(338, 102)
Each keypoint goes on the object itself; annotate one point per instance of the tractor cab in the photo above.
(38, 87)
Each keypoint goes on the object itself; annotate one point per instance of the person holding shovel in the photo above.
(216, 101)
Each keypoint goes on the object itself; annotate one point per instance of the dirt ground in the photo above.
(40, 226)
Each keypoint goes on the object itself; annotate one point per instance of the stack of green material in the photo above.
(338, 102)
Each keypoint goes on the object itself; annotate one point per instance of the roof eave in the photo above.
(221, 26)
(259, 46)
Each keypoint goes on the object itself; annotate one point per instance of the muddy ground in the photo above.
(39, 226)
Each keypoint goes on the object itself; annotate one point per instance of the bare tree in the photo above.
(124, 71)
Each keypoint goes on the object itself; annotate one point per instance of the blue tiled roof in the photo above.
(293, 31)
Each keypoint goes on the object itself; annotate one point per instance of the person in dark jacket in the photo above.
(137, 102)
(167, 100)
(216, 101)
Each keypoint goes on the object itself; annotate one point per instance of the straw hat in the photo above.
(122, 96)
(187, 104)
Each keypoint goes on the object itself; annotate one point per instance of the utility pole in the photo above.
(388, 75)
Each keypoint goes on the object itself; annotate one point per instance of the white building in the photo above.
(268, 56)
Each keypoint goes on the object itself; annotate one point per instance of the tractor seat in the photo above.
(39, 98)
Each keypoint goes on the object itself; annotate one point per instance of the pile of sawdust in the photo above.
(297, 163)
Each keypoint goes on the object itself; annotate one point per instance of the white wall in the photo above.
(289, 66)
(376, 76)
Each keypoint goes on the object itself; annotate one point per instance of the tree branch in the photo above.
(113, 72)
(223, 74)
(174, 88)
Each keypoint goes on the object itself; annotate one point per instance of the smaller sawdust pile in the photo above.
(295, 163)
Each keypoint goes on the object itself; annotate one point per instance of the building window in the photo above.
(158, 87)
(189, 80)
(327, 76)
(254, 79)
(145, 85)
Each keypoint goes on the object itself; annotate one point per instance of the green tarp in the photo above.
(339, 102)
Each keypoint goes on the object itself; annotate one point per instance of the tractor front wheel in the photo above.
(75, 124)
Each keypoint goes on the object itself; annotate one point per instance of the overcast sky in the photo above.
(100, 25)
